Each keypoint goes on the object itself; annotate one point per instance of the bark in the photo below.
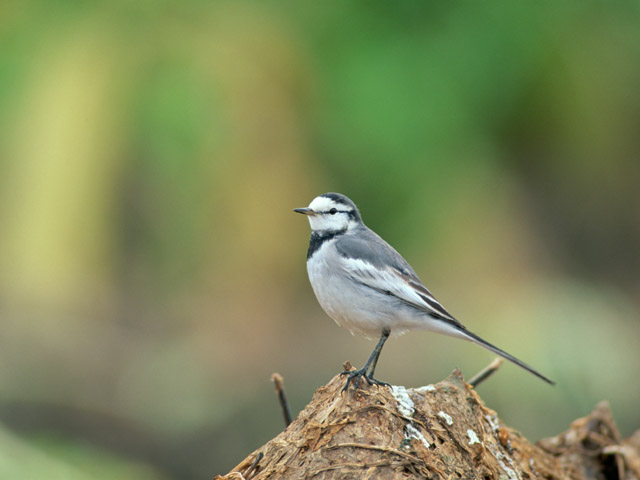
(441, 431)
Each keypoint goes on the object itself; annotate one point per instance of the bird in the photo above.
(367, 287)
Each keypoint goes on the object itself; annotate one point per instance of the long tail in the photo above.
(483, 343)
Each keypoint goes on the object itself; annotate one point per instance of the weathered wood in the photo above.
(441, 431)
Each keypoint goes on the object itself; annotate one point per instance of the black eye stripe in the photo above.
(334, 211)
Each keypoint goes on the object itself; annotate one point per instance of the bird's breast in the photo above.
(352, 305)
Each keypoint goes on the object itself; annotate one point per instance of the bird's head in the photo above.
(331, 212)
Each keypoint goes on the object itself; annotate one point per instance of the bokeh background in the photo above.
(152, 273)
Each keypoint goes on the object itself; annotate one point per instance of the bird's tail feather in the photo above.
(483, 343)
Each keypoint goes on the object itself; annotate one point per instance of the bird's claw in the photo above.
(357, 375)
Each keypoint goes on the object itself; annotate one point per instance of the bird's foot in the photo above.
(356, 375)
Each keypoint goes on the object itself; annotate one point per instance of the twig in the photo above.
(485, 373)
(282, 398)
(253, 466)
(374, 447)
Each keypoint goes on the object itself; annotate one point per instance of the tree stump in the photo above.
(442, 431)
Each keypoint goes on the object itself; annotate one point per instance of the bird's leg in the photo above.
(376, 355)
(369, 367)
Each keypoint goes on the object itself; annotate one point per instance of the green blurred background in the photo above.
(152, 273)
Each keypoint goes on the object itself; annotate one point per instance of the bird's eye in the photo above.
(333, 211)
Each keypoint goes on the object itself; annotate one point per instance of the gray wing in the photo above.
(368, 246)
(371, 261)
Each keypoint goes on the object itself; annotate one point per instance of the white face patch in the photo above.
(324, 204)
(325, 220)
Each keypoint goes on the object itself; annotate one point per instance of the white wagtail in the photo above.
(367, 287)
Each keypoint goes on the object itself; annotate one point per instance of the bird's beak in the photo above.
(304, 211)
